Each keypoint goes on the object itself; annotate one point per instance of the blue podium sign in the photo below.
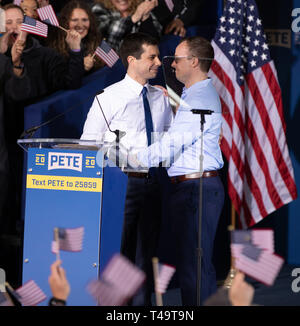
(65, 188)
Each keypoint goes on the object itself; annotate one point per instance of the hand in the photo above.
(177, 27)
(163, 89)
(58, 282)
(4, 41)
(43, 3)
(133, 162)
(17, 50)
(143, 10)
(73, 39)
(241, 293)
(88, 62)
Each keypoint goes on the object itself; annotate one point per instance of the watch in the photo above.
(21, 66)
(56, 302)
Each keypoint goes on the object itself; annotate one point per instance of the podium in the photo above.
(70, 183)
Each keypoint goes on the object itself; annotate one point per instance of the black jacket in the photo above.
(48, 71)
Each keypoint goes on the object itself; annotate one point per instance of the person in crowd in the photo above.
(184, 13)
(240, 293)
(181, 146)
(58, 5)
(77, 16)
(59, 285)
(116, 19)
(15, 84)
(30, 8)
(48, 72)
(134, 106)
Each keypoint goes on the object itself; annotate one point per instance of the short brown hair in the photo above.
(200, 48)
(133, 43)
(12, 6)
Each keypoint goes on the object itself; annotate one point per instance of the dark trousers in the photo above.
(184, 212)
(141, 228)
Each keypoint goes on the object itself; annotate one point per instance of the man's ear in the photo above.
(196, 62)
(130, 59)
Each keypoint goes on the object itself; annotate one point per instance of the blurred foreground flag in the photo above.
(119, 282)
(165, 273)
(258, 263)
(30, 294)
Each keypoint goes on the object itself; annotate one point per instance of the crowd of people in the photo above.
(36, 67)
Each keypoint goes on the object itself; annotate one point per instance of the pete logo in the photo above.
(70, 161)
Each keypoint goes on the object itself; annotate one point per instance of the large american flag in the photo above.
(260, 176)
(107, 54)
(47, 15)
(33, 26)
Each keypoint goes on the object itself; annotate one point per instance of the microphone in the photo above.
(119, 134)
(30, 132)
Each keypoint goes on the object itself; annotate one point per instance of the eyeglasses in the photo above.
(178, 58)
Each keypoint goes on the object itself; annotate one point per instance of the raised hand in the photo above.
(73, 39)
(143, 10)
(177, 27)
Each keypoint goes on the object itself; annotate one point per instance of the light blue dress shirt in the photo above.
(180, 147)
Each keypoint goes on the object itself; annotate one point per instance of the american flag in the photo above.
(5, 300)
(258, 263)
(165, 273)
(119, 281)
(30, 294)
(107, 54)
(260, 176)
(170, 4)
(47, 15)
(33, 26)
(262, 238)
(106, 294)
(68, 240)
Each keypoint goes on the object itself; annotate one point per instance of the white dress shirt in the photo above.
(122, 104)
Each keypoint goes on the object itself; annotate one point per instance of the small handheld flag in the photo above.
(67, 239)
(119, 281)
(47, 15)
(30, 294)
(107, 54)
(33, 26)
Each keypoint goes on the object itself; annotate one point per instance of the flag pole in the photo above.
(158, 295)
(56, 237)
(233, 271)
(65, 30)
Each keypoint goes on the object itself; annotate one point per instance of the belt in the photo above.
(181, 178)
(138, 175)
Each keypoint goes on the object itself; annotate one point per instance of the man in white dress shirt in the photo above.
(125, 105)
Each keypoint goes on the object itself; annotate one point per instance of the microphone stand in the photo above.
(199, 251)
(119, 134)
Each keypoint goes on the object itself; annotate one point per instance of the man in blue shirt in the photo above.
(180, 149)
